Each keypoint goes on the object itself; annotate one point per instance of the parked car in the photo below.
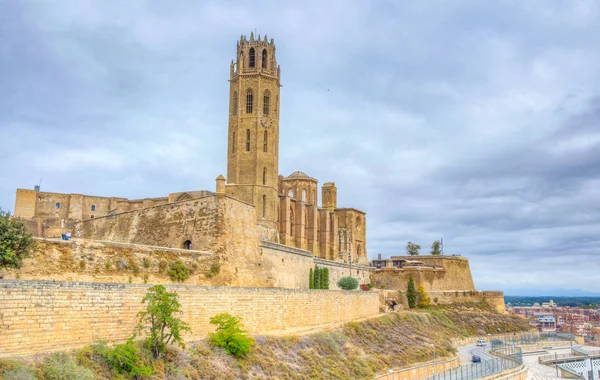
(476, 359)
(481, 343)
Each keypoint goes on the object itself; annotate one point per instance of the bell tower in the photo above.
(253, 133)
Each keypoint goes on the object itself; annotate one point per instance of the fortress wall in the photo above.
(494, 298)
(454, 273)
(42, 316)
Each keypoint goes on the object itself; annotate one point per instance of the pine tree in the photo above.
(311, 279)
(317, 273)
(423, 297)
(411, 293)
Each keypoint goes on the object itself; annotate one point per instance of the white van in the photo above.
(481, 343)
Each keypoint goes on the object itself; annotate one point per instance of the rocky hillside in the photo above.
(356, 350)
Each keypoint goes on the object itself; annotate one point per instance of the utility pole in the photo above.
(442, 243)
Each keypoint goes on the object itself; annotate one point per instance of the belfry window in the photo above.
(234, 106)
(303, 195)
(247, 140)
(266, 100)
(264, 59)
(265, 141)
(291, 193)
(249, 101)
(264, 176)
(291, 221)
(233, 143)
(252, 62)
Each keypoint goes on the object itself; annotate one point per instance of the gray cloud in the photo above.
(475, 121)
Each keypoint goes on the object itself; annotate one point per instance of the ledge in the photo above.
(285, 248)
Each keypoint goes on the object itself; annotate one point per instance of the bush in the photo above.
(162, 266)
(124, 358)
(411, 293)
(146, 262)
(21, 373)
(423, 297)
(59, 366)
(348, 283)
(215, 268)
(365, 287)
(15, 242)
(178, 271)
(230, 335)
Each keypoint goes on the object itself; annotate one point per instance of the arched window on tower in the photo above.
(291, 193)
(252, 60)
(264, 176)
(304, 195)
(265, 141)
(233, 143)
(305, 223)
(291, 221)
(247, 140)
(266, 101)
(249, 100)
(264, 59)
(234, 106)
(264, 205)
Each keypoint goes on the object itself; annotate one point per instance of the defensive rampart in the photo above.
(42, 316)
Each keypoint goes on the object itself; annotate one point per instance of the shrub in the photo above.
(364, 287)
(411, 293)
(230, 335)
(162, 266)
(178, 271)
(146, 276)
(423, 297)
(311, 279)
(21, 373)
(348, 283)
(59, 366)
(15, 242)
(107, 265)
(124, 358)
(82, 264)
(136, 270)
(215, 268)
(159, 320)
(146, 262)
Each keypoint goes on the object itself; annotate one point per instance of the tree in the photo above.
(317, 274)
(435, 248)
(326, 278)
(348, 283)
(311, 279)
(412, 249)
(411, 293)
(230, 335)
(159, 321)
(423, 297)
(15, 242)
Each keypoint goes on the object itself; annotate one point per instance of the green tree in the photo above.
(159, 320)
(436, 248)
(178, 271)
(412, 249)
(125, 358)
(15, 242)
(411, 293)
(423, 297)
(348, 283)
(326, 278)
(317, 274)
(311, 279)
(230, 335)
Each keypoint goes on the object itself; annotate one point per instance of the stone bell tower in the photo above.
(253, 136)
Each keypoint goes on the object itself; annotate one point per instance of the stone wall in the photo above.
(42, 316)
(450, 273)
(493, 298)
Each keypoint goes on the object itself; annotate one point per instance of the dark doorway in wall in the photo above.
(187, 244)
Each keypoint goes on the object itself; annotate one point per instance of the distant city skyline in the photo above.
(471, 121)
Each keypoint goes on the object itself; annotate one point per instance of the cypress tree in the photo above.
(326, 278)
(317, 273)
(311, 279)
(411, 293)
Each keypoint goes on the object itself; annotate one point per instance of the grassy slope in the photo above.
(355, 350)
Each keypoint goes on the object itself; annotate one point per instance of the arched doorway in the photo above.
(187, 244)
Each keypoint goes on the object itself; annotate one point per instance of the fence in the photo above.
(505, 358)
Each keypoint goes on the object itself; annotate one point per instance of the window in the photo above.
(264, 205)
(358, 251)
(358, 222)
(305, 223)
(266, 100)
(93, 207)
(291, 193)
(264, 59)
(264, 176)
(92, 217)
(233, 143)
(265, 141)
(247, 140)
(314, 200)
(252, 62)
(249, 101)
(291, 221)
(234, 106)
(57, 205)
(303, 195)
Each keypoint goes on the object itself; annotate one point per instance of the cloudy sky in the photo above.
(475, 121)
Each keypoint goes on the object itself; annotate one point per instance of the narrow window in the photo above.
(57, 205)
(93, 207)
(252, 62)
(233, 143)
(264, 205)
(249, 101)
(264, 176)
(305, 223)
(247, 140)
(314, 200)
(291, 221)
(303, 195)
(264, 59)
(276, 106)
(265, 142)
(266, 100)
(234, 106)
(291, 193)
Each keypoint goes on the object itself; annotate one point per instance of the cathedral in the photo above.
(286, 210)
